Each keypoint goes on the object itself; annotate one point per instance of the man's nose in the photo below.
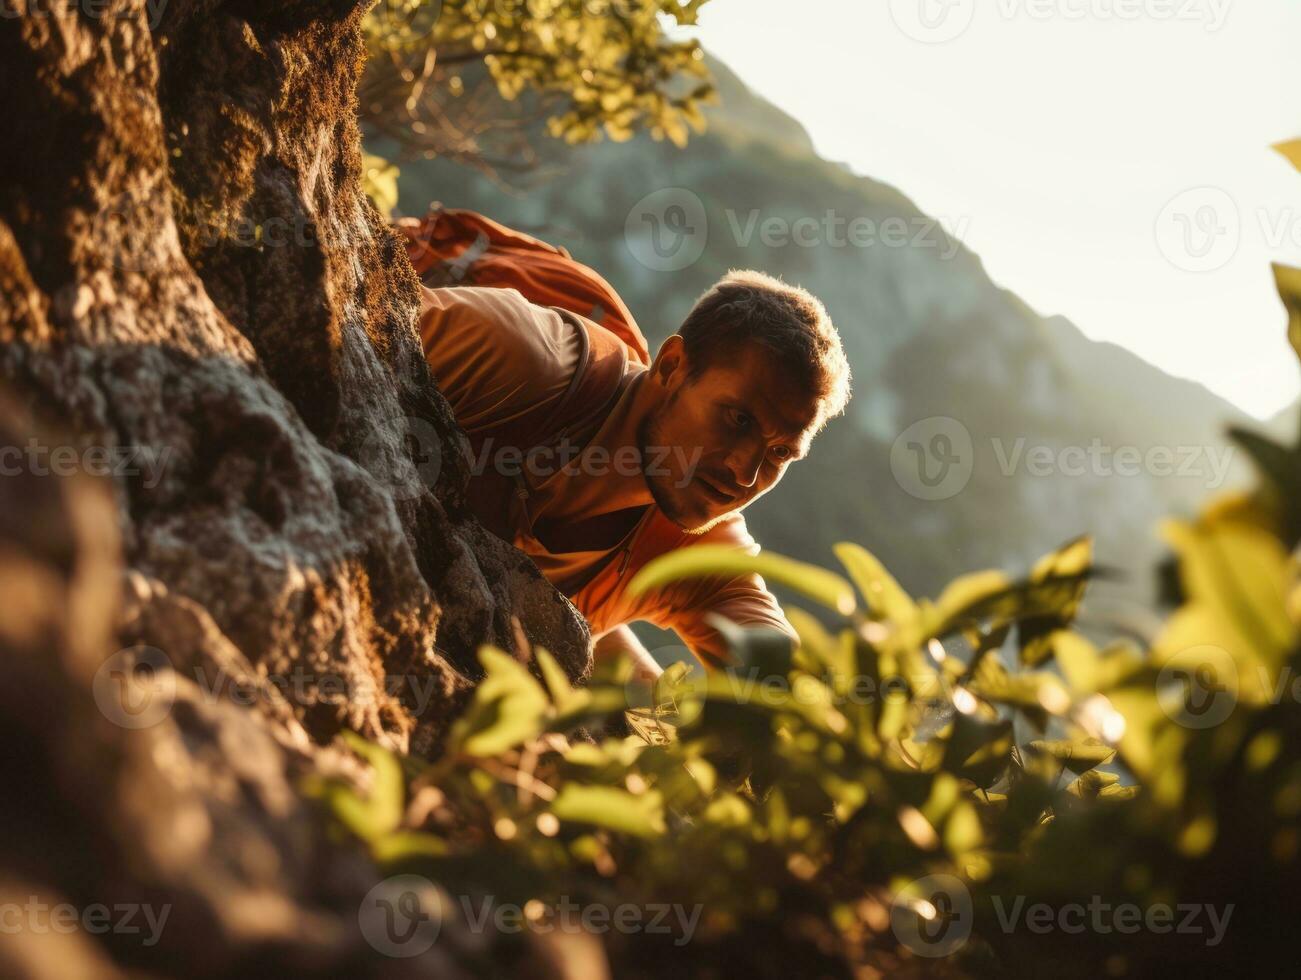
(743, 463)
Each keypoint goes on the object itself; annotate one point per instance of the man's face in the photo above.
(734, 428)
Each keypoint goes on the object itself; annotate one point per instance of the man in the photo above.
(593, 463)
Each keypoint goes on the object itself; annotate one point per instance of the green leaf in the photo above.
(816, 643)
(1072, 558)
(1053, 595)
(589, 706)
(894, 715)
(379, 811)
(553, 675)
(1035, 693)
(388, 789)
(611, 808)
(1092, 783)
(508, 708)
(1291, 149)
(883, 595)
(407, 844)
(978, 750)
(1078, 660)
(727, 810)
(1288, 281)
(699, 561)
(962, 599)
(672, 682)
(1276, 462)
(1235, 574)
(1076, 756)
(963, 831)
(1281, 467)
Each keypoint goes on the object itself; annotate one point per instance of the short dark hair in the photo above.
(748, 307)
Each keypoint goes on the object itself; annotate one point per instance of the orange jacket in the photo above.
(551, 385)
(459, 247)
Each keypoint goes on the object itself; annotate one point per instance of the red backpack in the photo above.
(457, 247)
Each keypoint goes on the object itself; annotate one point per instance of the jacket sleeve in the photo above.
(496, 356)
(743, 599)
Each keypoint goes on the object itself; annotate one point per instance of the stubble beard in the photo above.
(649, 435)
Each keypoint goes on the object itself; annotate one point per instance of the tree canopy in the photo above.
(480, 81)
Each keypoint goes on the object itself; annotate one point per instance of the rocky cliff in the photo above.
(231, 515)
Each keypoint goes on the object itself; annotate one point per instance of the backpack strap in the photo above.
(452, 247)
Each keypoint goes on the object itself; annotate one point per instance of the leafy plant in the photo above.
(861, 759)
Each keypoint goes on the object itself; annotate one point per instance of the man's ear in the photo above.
(670, 365)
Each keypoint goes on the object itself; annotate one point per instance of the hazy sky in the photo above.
(1108, 158)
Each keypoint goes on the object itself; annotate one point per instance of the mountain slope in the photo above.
(1284, 424)
(927, 332)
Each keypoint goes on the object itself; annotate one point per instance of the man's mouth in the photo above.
(713, 492)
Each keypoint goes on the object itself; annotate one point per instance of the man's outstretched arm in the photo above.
(744, 600)
(685, 606)
(622, 640)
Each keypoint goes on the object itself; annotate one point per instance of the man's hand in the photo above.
(621, 640)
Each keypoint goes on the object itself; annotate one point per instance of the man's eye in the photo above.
(739, 420)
